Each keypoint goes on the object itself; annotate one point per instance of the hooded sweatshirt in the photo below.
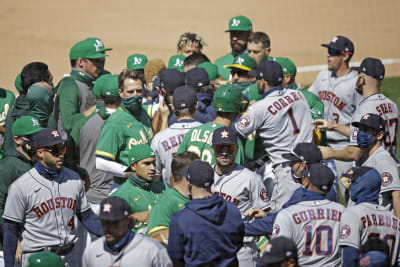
(207, 232)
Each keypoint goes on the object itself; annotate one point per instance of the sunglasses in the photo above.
(56, 150)
(220, 148)
(335, 53)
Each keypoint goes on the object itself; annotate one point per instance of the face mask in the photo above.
(364, 140)
(133, 104)
(100, 105)
(28, 147)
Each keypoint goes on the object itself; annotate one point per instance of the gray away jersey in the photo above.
(314, 228)
(384, 107)
(340, 100)
(141, 251)
(366, 220)
(383, 162)
(166, 143)
(46, 208)
(281, 120)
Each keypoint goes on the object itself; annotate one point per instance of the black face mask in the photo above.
(28, 147)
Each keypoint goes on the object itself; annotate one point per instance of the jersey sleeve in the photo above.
(159, 218)
(350, 228)
(162, 258)
(185, 143)
(82, 203)
(282, 226)
(258, 193)
(109, 143)
(155, 148)
(389, 174)
(16, 204)
(250, 121)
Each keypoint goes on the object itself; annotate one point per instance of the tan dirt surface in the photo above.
(44, 30)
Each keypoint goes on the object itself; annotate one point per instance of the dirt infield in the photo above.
(44, 30)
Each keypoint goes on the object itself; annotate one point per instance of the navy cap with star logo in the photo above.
(372, 67)
(114, 209)
(224, 136)
(371, 120)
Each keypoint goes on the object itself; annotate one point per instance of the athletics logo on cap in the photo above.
(178, 63)
(235, 22)
(137, 61)
(98, 44)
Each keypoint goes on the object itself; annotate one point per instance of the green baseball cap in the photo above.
(25, 125)
(288, 67)
(18, 83)
(211, 69)
(139, 152)
(243, 62)
(136, 62)
(227, 98)
(45, 259)
(106, 85)
(88, 48)
(176, 62)
(240, 23)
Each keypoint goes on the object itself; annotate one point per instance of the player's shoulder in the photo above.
(95, 246)
(224, 59)
(147, 242)
(245, 172)
(24, 179)
(70, 174)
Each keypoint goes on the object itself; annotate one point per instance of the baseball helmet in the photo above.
(228, 98)
(45, 259)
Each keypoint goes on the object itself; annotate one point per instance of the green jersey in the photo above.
(171, 201)
(140, 195)
(252, 93)
(120, 132)
(7, 100)
(199, 141)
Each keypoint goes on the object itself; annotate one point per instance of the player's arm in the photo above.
(350, 153)
(161, 236)
(91, 222)
(249, 122)
(396, 202)
(259, 227)
(331, 126)
(349, 256)
(11, 232)
(112, 167)
(176, 248)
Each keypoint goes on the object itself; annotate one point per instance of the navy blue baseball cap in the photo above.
(307, 152)
(340, 43)
(170, 79)
(372, 67)
(224, 136)
(199, 173)
(374, 253)
(371, 120)
(278, 250)
(356, 172)
(184, 97)
(269, 71)
(197, 77)
(114, 209)
(47, 137)
(320, 176)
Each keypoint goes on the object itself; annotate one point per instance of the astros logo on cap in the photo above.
(107, 207)
(55, 134)
(365, 117)
(224, 134)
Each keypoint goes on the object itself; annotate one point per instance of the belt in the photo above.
(59, 250)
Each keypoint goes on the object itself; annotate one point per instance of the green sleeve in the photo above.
(316, 105)
(185, 143)
(110, 142)
(252, 93)
(239, 159)
(68, 94)
(160, 216)
(221, 62)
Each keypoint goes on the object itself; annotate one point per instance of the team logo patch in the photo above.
(365, 261)
(386, 178)
(346, 231)
(244, 121)
(107, 207)
(263, 195)
(276, 230)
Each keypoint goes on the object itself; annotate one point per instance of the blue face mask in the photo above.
(364, 140)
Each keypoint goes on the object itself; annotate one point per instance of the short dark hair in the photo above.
(181, 161)
(185, 112)
(73, 62)
(111, 100)
(195, 59)
(34, 72)
(260, 37)
(130, 74)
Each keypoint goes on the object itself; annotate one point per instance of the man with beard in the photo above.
(239, 30)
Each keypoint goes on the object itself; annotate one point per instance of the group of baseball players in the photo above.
(194, 163)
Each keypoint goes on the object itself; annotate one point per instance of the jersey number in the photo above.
(335, 117)
(296, 128)
(323, 234)
(204, 155)
(71, 223)
(389, 240)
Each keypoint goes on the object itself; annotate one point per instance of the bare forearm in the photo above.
(396, 203)
(350, 153)
(343, 129)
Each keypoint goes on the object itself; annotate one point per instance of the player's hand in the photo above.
(163, 109)
(18, 252)
(323, 124)
(141, 216)
(256, 213)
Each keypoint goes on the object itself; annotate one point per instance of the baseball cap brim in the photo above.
(238, 66)
(97, 55)
(270, 258)
(358, 124)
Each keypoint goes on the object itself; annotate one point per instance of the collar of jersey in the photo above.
(272, 90)
(141, 183)
(82, 76)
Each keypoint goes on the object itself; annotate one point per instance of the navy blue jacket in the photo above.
(207, 232)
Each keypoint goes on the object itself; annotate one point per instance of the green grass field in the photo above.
(391, 89)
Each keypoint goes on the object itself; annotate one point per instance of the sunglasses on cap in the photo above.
(56, 150)
(220, 148)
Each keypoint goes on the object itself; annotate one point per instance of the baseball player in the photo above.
(136, 62)
(371, 74)
(280, 251)
(172, 200)
(189, 43)
(43, 203)
(165, 143)
(239, 30)
(237, 184)
(335, 87)
(259, 46)
(313, 224)
(120, 246)
(281, 120)
(7, 100)
(371, 133)
(140, 191)
(176, 62)
(366, 219)
(227, 103)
